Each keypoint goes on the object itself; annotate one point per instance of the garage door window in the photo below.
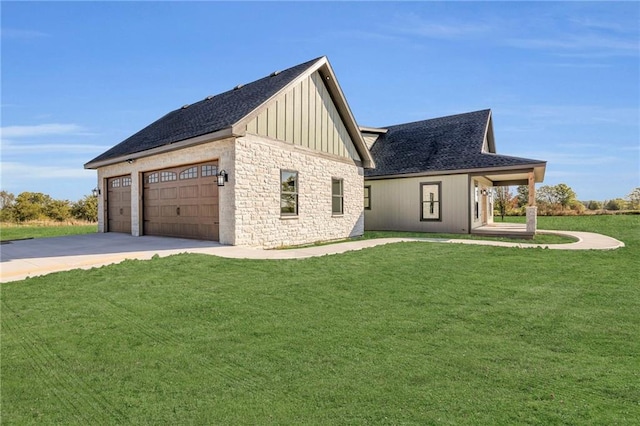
(115, 183)
(209, 170)
(168, 176)
(126, 181)
(152, 178)
(190, 173)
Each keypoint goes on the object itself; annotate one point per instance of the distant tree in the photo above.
(31, 206)
(523, 195)
(58, 210)
(86, 208)
(564, 195)
(546, 195)
(634, 199)
(7, 200)
(593, 205)
(615, 204)
(503, 199)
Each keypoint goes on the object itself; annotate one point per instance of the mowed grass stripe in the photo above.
(49, 371)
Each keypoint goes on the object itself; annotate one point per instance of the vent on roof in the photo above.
(209, 97)
(239, 86)
(273, 74)
(185, 106)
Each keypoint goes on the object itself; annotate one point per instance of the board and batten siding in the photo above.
(395, 205)
(306, 116)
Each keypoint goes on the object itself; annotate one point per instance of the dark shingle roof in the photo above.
(206, 116)
(440, 144)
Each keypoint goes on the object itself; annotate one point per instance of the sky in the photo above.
(562, 78)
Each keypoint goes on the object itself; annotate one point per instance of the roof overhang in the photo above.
(198, 140)
(323, 67)
(500, 176)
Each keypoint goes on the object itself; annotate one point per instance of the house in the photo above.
(281, 161)
(437, 175)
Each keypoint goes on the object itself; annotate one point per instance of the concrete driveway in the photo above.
(28, 258)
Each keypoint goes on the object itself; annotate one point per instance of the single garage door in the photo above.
(119, 204)
(182, 202)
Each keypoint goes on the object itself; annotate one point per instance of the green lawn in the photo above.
(18, 232)
(410, 333)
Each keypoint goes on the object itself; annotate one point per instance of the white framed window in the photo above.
(367, 197)
(337, 196)
(288, 193)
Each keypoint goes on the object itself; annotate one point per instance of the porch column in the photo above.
(532, 210)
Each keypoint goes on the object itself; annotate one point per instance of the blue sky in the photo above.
(562, 79)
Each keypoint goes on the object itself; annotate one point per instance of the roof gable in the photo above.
(456, 142)
(228, 112)
(306, 115)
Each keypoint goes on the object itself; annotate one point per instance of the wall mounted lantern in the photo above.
(95, 192)
(131, 161)
(222, 178)
(484, 192)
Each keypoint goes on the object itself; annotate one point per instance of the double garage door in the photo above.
(182, 202)
(177, 202)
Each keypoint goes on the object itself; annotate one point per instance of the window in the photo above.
(190, 173)
(430, 201)
(152, 178)
(209, 170)
(288, 193)
(167, 176)
(476, 205)
(367, 197)
(337, 197)
(126, 181)
(115, 183)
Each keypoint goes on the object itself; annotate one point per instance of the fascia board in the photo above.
(198, 140)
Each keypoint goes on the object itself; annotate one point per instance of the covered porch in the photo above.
(528, 176)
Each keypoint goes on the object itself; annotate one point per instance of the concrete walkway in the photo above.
(29, 258)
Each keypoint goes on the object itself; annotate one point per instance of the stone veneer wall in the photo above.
(257, 191)
(222, 150)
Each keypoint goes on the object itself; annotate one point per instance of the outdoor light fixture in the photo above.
(484, 192)
(130, 160)
(95, 192)
(222, 178)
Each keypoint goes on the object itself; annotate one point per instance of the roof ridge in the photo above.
(488, 110)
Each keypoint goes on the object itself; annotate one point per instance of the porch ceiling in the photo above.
(514, 177)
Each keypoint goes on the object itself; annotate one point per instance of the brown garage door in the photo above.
(119, 204)
(182, 202)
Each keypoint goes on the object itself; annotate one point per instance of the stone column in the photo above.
(532, 219)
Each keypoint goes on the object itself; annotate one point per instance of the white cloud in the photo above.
(9, 147)
(30, 172)
(412, 23)
(41, 130)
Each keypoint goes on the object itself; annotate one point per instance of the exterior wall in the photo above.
(395, 204)
(222, 150)
(257, 190)
(306, 116)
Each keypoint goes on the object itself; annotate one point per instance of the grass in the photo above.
(11, 231)
(409, 333)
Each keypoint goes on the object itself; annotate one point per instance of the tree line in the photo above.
(558, 200)
(33, 206)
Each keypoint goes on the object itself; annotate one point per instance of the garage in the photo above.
(119, 204)
(182, 202)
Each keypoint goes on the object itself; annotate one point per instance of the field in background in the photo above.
(44, 229)
(410, 333)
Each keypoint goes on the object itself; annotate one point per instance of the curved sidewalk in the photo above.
(29, 258)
